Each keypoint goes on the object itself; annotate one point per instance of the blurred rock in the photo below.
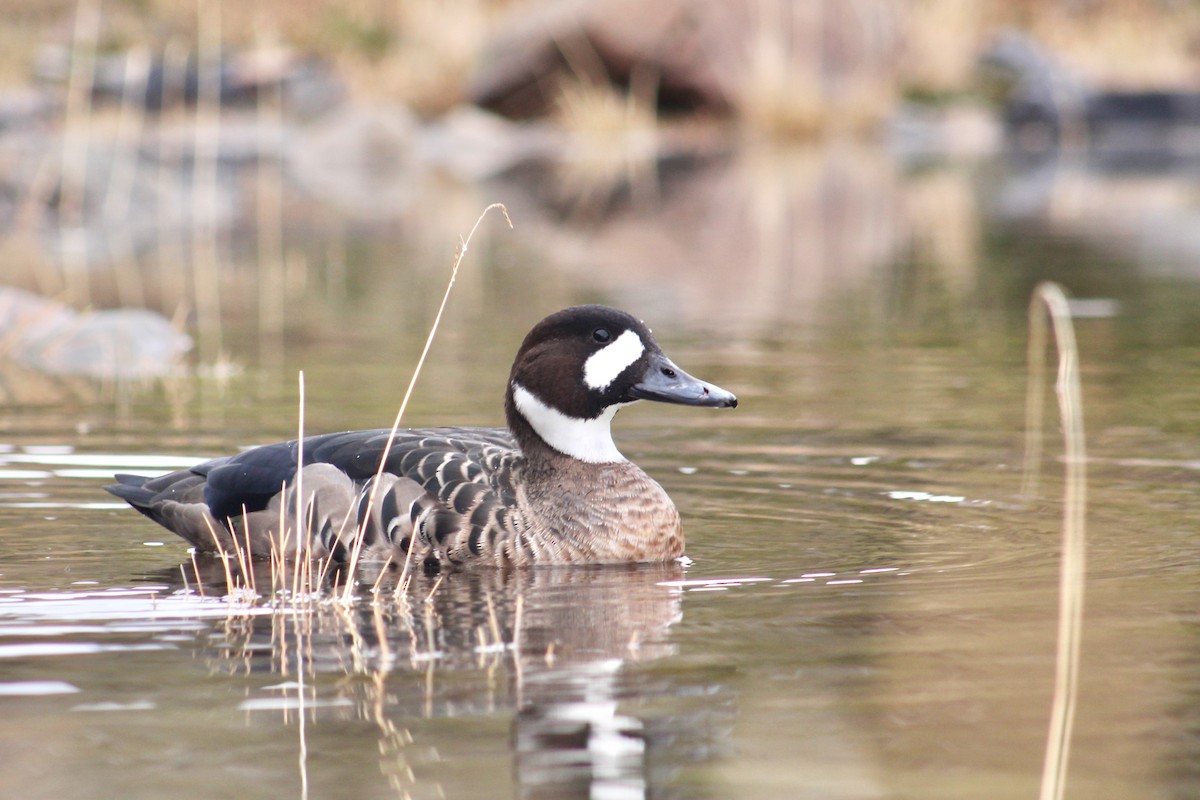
(305, 86)
(56, 339)
(918, 133)
(362, 160)
(371, 161)
(736, 240)
(1046, 107)
(104, 198)
(21, 109)
(697, 54)
(688, 46)
(472, 144)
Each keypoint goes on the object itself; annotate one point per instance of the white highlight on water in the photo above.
(926, 496)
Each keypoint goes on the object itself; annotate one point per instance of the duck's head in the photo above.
(578, 367)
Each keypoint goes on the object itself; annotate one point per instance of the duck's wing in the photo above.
(453, 486)
(453, 493)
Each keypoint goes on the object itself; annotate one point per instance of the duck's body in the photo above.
(551, 489)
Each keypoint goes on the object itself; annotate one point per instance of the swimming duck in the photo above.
(552, 488)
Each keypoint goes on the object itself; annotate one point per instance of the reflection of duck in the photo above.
(568, 616)
(553, 488)
(547, 649)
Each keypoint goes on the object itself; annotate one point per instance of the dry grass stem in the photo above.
(278, 559)
(460, 252)
(518, 617)
(303, 553)
(433, 591)
(196, 570)
(221, 554)
(326, 565)
(241, 556)
(493, 621)
(431, 657)
(1051, 297)
(518, 665)
(379, 578)
(72, 199)
(207, 135)
(405, 571)
(269, 186)
(302, 732)
(305, 578)
(118, 200)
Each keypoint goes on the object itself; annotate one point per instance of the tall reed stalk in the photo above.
(1050, 298)
(272, 283)
(205, 256)
(356, 550)
(126, 161)
(72, 199)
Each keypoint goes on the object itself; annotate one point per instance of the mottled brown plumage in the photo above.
(552, 489)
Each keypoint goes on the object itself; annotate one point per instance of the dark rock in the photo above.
(696, 54)
(1046, 107)
(305, 85)
(56, 339)
(685, 46)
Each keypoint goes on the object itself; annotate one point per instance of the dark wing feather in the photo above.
(459, 488)
(248, 480)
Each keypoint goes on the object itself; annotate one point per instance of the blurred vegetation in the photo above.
(417, 51)
(421, 52)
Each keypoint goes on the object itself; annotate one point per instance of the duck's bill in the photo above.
(666, 383)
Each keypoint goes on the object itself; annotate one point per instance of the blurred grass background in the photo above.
(194, 212)
(421, 52)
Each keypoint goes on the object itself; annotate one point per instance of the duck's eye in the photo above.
(601, 335)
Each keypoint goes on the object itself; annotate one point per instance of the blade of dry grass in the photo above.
(1051, 297)
(205, 266)
(303, 553)
(196, 570)
(242, 557)
(356, 551)
(77, 140)
(278, 554)
(224, 556)
(433, 591)
(379, 578)
(518, 664)
(269, 197)
(302, 754)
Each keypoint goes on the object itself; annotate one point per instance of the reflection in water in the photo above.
(901, 646)
(549, 645)
(751, 239)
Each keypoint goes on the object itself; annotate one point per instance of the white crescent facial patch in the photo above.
(604, 365)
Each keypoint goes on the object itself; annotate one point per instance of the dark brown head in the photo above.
(578, 367)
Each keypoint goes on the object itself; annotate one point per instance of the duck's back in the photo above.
(439, 459)
(446, 484)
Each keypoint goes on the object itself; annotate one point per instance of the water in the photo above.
(871, 607)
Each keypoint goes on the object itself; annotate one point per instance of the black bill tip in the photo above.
(666, 383)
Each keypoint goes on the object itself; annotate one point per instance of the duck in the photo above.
(549, 488)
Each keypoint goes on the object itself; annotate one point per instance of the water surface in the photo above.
(870, 611)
